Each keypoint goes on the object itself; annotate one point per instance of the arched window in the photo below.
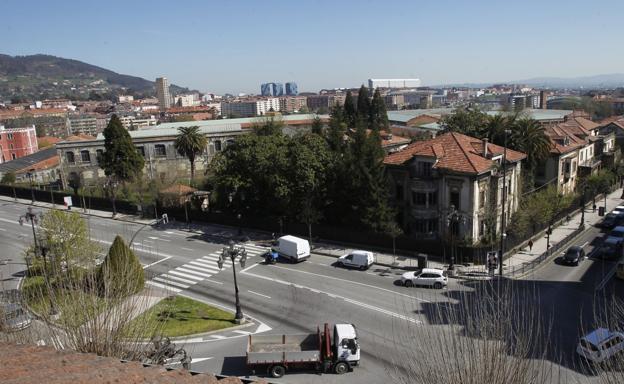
(85, 156)
(70, 157)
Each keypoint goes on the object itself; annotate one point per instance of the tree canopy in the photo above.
(120, 159)
(190, 143)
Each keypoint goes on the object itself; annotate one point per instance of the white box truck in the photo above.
(292, 248)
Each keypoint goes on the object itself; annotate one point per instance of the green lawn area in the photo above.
(181, 316)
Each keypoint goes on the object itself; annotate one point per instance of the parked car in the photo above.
(429, 277)
(611, 249)
(13, 317)
(600, 345)
(612, 220)
(619, 270)
(357, 259)
(574, 255)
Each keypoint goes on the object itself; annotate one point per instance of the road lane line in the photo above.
(156, 262)
(248, 268)
(242, 332)
(346, 299)
(259, 294)
(355, 282)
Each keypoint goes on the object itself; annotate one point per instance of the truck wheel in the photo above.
(341, 368)
(277, 371)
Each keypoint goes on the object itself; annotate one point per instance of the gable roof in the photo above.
(559, 133)
(454, 152)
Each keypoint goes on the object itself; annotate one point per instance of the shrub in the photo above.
(121, 274)
(34, 287)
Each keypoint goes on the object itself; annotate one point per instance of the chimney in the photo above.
(485, 147)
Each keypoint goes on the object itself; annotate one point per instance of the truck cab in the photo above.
(347, 348)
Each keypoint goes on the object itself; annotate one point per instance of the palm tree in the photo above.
(190, 143)
(528, 136)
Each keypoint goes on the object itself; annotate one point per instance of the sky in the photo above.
(235, 45)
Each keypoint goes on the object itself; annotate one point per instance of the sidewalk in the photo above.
(526, 255)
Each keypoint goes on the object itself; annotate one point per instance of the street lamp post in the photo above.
(233, 252)
(503, 234)
(453, 219)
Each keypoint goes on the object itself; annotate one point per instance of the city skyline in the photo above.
(443, 43)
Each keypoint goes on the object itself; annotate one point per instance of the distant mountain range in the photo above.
(614, 80)
(37, 77)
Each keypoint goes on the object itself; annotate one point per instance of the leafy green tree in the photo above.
(363, 104)
(120, 159)
(8, 178)
(66, 235)
(190, 143)
(121, 274)
(378, 115)
(528, 136)
(268, 126)
(468, 121)
(317, 126)
(337, 129)
(350, 111)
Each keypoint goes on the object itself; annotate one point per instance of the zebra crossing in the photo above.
(193, 272)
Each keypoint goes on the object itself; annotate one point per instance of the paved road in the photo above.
(297, 297)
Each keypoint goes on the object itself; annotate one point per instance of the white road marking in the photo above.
(168, 282)
(2, 229)
(200, 263)
(153, 238)
(187, 249)
(193, 360)
(220, 337)
(156, 262)
(242, 332)
(212, 281)
(354, 282)
(162, 286)
(584, 244)
(249, 268)
(184, 277)
(259, 294)
(606, 279)
(195, 273)
(200, 269)
(354, 302)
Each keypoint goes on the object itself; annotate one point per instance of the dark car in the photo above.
(612, 220)
(574, 255)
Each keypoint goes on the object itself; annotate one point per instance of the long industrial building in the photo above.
(393, 83)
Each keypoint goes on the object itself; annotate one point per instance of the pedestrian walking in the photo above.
(594, 207)
(530, 245)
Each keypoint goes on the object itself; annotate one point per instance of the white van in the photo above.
(357, 259)
(292, 248)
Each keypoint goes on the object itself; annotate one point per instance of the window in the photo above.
(399, 191)
(424, 168)
(13, 156)
(419, 198)
(141, 150)
(70, 157)
(481, 199)
(433, 198)
(85, 156)
(160, 150)
(10, 136)
(454, 201)
(217, 145)
(98, 155)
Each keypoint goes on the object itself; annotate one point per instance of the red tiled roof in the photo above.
(558, 133)
(454, 152)
(586, 123)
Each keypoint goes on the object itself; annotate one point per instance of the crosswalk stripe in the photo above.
(193, 272)
(214, 260)
(206, 266)
(168, 282)
(212, 263)
(169, 276)
(201, 268)
(211, 257)
(264, 249)
(193, 278)
(162, 286)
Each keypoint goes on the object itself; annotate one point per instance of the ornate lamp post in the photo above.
(232, 252)
(452, 221)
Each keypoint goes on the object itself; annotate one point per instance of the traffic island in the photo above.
(177, 316)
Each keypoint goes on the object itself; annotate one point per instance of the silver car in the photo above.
(428, 277)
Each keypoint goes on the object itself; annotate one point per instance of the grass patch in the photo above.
(181, 316)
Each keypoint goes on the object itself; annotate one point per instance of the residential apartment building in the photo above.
(324, 103)
(86, 124)
(272, 89)
(453, 173)
(250, 107)
(162, 92)
(292, 104)
(17, 142)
